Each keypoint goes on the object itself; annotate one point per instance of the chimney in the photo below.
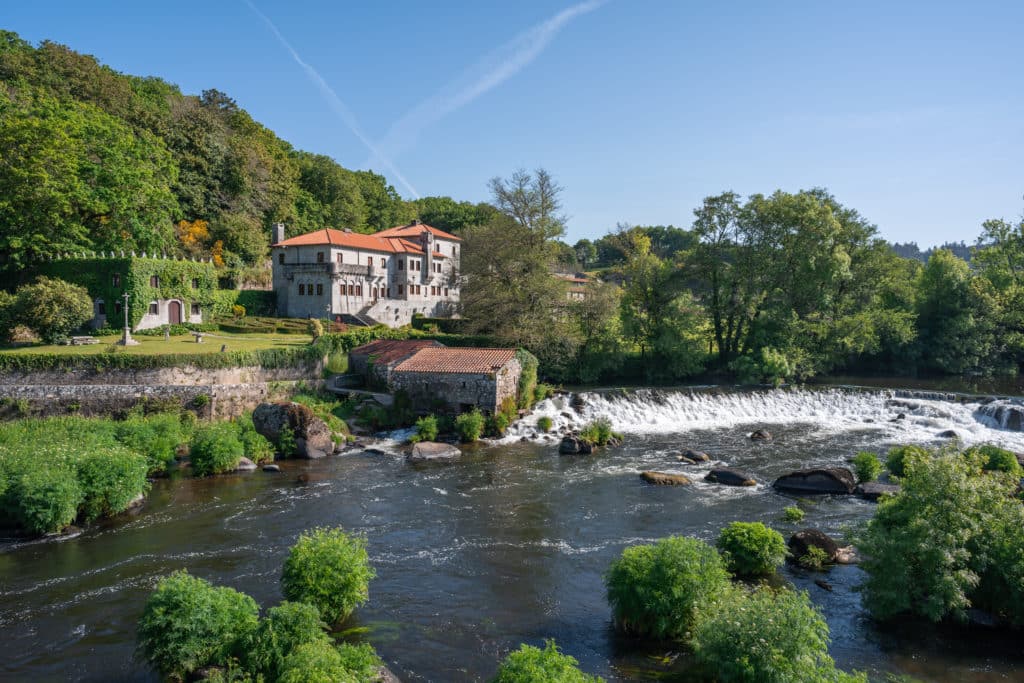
(415, 221)
(277, 236)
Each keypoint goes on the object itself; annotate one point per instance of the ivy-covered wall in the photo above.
(175, 280)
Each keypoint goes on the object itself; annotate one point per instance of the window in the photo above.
(319, 257)
(101, 308)
(387, 292)
(319, 290)
(117, 308)
(115, 280)
(453, 250)
(195, 309)
(154, 281)
(154, 308)
(340, 258)
(359, 290)
(280, 258)
(446, 291)
(383, 262)
(401, 264)
(302, 290)
(309, 290)
(419, 264)
(400, 288)
(195, 283)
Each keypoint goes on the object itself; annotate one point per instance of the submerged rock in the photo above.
(573, 445)
(271, 468)
(873, 490)
(312, 435)
(431, 451)
(822, 480)
(805, 539)
(761, 435)
(730, 477)
(245, 465)
(948, 434)
(695, 456)
(665, 478)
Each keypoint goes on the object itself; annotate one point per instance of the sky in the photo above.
(910, 112)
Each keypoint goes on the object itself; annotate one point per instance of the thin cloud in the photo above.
(488, 73)
(336, 104)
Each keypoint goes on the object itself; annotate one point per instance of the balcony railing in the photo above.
(333, 269)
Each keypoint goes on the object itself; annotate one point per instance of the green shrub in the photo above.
(543, 391)
(315, 328)
(316, 662)
(238, 311)
(44, 499)
(215, 449)
(896, 459)
(599, 432)
(110, 481)
(469, 426)
(256, 446)
(360, 660)
(867, 466)
(497, 424)
(544, 423)
(751, 548)
(157, 437)
(330, 570)
(52, 308)
(766, 636)
(657, 590)
(996, 459)
(948, 542)
(531, 664)
(815, 559)
(188, 624)
(793, 514)
(426, 429)
(285, 627)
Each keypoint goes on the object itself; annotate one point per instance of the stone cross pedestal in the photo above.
(126, 336)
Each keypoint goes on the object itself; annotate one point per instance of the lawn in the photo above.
(151, 346)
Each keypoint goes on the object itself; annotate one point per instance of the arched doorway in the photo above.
(174, 312)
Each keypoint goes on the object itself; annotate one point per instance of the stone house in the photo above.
(375, 361)
(386, 277)
(458, 379)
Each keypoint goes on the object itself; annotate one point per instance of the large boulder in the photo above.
(665, 478)
(431, 451)
(803, 540)
(312, 435)
(694, 456)
(245, 465)
(821, 480)
(573, 445)
(873, 490)
(730, 477)
(1003, 415)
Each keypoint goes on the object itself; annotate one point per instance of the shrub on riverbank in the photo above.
(469, 426)
(426, 429)
(531, 664)
(658, 590)
(997, 459)
(948, 542)
(599, 432)
(188, 624)
(751, 549)
(285, 628)
(110, 481)
(215, 449)
(766, 636)
(896, 459)
(329, 569)
(867, 466)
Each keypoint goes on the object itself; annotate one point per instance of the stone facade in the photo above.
(459, 392)
(375, 361)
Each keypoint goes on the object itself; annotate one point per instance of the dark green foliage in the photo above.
(659, 590)
(949, 541)
(527, 388)
(110, 481)
(531, 664)
(426, 429)
(470, 426)
(867, 466)
(997, 459)
(751, 548)
(215, 449)
(497, 424)
(766, 637)
(52, 308)
(815, 559)
(360, 660)
(285, 627)
(255, 446)
(188, 624)
(157, 437)
(43, 499)
(329, 569)
(896, 459)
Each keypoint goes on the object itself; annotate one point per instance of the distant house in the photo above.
(459, 379)
(386, 277)
(376, 360)
(577, 289)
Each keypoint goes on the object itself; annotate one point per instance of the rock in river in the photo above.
(665, 478)
(823, 480)
(245, 465)
(761, 435)
(312, 435)
(695, 456)
(730, 477)
(572, 445)
(873, 490)
(803, 540)
(431, 451)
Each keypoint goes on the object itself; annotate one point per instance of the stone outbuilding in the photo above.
(375, 361)
(458, 379)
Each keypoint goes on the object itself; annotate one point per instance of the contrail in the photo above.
(487, 73)
(343, 112)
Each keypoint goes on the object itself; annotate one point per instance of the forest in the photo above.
(766, 288)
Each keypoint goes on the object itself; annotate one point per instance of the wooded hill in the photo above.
(92, 159)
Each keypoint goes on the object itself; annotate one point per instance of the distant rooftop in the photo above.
(415, 229)
(457, 360)
(389, 350)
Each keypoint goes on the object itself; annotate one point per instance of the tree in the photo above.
(532, 200)
(597, 326)
(444, 213)
(52, 308)
(586, 252)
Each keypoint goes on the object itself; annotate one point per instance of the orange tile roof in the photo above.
(353, 240)
(415, 229)
(457, 360)
(389, 350)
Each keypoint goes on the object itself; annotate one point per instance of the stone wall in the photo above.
(185, 375)
(456, 391)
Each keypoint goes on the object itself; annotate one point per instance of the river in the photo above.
(506, 546)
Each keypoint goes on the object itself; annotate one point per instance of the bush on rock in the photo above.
(216, 449)
(329, 569)
(531, 664)
(751, 548)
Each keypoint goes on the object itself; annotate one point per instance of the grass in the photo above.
(151, 346)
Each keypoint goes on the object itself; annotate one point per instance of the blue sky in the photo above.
(911, 112)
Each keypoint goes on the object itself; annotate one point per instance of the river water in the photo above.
(507, 546)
